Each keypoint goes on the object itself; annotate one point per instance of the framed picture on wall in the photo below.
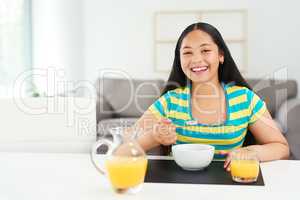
(168, 26)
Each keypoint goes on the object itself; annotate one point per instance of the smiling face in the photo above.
(200, 57)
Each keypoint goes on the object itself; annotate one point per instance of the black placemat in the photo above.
(167, 171)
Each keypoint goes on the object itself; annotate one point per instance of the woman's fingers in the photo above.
(227, 160)
(227, 163)
(171, 137)
(165, 132)
(169, 141)
(168, 138)
(165, 126)
(165, 120)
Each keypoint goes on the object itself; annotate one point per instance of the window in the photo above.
(15, 42)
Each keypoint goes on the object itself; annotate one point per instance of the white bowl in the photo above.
(193, 156)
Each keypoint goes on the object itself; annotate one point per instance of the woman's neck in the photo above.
(208, 89)
(208, 102)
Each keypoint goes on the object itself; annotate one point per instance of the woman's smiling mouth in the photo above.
(199, 69)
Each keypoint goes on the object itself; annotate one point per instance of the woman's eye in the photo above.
(187, 53)
(206, 51)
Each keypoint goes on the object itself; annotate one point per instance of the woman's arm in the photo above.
(155, 131)
(271, 143)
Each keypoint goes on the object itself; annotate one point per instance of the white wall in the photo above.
(83, 36)
(274, 40)
(119, 34)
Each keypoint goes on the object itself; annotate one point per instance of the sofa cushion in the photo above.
(293, 127)
(104, 108)
(274, 92)
(130, 98)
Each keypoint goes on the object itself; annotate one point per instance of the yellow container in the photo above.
(244, 169)
(244, 165)
(126, 172)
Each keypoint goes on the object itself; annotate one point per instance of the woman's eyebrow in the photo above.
(189, 47)
(186, 47)
(205, 44)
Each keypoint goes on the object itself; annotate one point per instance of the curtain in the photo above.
(15, 42)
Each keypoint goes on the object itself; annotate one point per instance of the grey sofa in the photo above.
(121, 101)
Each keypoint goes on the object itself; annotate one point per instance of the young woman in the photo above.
(206, 100)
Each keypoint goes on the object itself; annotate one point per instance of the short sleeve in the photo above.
(160, 107)
(257, 107)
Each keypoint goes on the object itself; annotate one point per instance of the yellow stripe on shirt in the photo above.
(214, 129)
(211, 141)
(236, 100)
(233, 89)
(239, 114)
(178, 115)
(180, 102)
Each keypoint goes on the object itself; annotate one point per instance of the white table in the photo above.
(40, 176)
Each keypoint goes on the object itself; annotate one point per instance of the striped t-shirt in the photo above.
(243, 107)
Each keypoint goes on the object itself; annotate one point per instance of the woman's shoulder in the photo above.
(236, 91)
(232, 88)
(178, 91)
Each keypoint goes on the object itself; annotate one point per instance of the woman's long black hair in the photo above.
(227, 72)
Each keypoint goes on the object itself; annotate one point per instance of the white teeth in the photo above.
(198, 69)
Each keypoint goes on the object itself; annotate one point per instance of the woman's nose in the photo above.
(197, 58)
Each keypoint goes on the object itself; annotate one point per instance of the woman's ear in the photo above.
(221, 59)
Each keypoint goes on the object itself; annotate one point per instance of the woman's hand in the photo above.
(227, 160)
(229, 155)
(164, 132)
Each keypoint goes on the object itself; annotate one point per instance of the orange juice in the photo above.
(126, 172)
(244, 170)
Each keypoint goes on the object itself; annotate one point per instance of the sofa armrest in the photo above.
(288, 115)
(104, 109)
(282, 114)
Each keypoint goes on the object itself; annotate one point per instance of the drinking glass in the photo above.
(244, 166)
(125, 161)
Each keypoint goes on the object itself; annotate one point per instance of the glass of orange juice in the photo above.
(244, 166)
(125, 162)
(126, 173)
